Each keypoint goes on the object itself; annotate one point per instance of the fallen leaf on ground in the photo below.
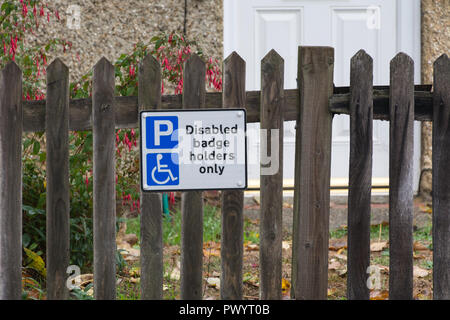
(175, 273)
(252, 247)
(135, 272)
(213, 282)
(211, 248)
(379, 295)
(130, 255)
(84, 279)
(378, 246)
(251, 279)
(253, 221)
(216, 274)
(134, 280)
(419, 272)
(418, 256)
(285, 285)
(288, 205)
(337, 244)
(342, 272)
(131, 239)
(211, 253)
(383, 269)
(419, 247)
(339, 256)
(334, 265)
(286, 245)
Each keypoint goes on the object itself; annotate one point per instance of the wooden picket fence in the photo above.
(312, 105)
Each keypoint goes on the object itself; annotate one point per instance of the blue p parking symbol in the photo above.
(162, 132)
(162, 161)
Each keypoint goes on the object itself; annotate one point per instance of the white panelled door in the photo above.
(383, 28)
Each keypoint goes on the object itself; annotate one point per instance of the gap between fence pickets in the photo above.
(126, 108)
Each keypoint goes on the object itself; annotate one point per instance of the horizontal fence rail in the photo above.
(126, 108)
(312, 106)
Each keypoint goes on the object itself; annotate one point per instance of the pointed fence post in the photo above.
(11, 123)
(312, 174)
(232, 248)
(360, 175)
(152, 268)
(192, 201)
(104, 181)
(401, 192)
(441, 179)
(271, 235)
(58, 190)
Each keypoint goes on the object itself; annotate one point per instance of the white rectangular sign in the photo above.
(193, 149)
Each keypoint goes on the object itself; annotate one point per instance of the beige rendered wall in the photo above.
(435, 41)
(111, 27)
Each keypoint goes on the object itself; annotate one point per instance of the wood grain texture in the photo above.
(58, 189)
(192, 201)
(441, 178)
(312, 174)
(360, 175)
(232, 247)
(423, 102)
(271, 228)
(152, 267)
(126, 108)
(104, 181)
(11, 119)
(401, 151)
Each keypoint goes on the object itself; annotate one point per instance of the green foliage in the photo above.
(171, 50)
(172, 226)
(339, 233)
(120, 261)
(82, 294)
(251, 232)
(212, 227)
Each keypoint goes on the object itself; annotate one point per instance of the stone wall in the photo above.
(435, 41)
(111, 27)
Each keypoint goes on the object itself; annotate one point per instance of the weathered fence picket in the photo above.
(441, 179)
(58, 189)
(232, 250)
(401, 148)
(11, 121)
(312, 105)
(192, 201)
(152, 268)
(360, 175)
(312, 174)
(271, 178)
(104, 214)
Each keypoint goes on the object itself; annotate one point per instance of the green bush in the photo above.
(171, 50)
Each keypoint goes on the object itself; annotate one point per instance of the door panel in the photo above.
(254, 27)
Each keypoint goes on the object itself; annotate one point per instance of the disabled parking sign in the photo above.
(193, 150)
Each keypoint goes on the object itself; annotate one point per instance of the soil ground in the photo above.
(337, 275)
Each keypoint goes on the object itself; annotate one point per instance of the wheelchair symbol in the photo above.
(165, 172)
(162, 168)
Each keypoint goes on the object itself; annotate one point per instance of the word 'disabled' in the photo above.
(193, 150)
